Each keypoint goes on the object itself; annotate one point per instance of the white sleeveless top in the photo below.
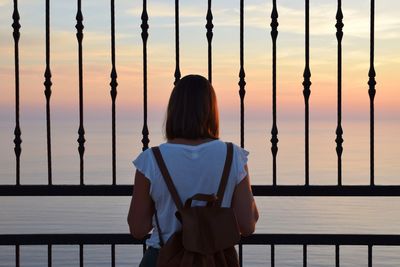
(194, 169)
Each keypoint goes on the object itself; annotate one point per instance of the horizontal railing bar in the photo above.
(327, 190)
(258, 190)
(68, 239)
(66, 190)
(322, 239)
(256, 239)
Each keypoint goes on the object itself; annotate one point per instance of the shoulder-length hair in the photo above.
(192, 110)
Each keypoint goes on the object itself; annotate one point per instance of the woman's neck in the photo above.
(192, 142)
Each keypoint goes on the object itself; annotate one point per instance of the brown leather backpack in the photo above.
(208, 233)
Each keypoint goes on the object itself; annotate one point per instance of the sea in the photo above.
(328, 215)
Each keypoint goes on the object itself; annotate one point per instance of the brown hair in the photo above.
(192, 110)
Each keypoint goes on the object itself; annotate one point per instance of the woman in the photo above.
(195, 158)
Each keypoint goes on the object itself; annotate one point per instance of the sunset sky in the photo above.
(161, 56)
(358, 214)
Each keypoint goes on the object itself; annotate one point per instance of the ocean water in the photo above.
(277, 214)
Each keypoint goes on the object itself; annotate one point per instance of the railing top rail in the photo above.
(258, 190)
(256, 239)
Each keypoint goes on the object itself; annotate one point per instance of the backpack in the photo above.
(208, 233)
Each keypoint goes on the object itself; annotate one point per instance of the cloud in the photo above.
(4, 2)
(165, 10)
(291, 20)
(322, 21)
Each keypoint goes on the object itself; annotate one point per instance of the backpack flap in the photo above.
(206, 230)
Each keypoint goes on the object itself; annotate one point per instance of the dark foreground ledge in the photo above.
(258, 190)
(256, 239)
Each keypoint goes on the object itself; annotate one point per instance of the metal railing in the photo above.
(272, 240)
(114, 189)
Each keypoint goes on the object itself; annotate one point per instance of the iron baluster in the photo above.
(307, 92)
(81, 255)
(47, 83)
(369, 255)
(113, 92)
(17, 131)
(209, 27)
(339, 130)
(304, 255)
(177, 73)
(145, 35)
(17, 252)
(240, 255)
(371, 93)
(81, 131)
(242, 74)
(274, 130)
(112, 255)
(272, 255)
(49, 256)
(337, 256)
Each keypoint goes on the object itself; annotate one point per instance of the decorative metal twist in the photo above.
(339, 22)
(274, 22)
(79, 25)
(145, 35)
(113, 84)
(306, 83)
(16, 25)
(209, 34)
(274, 131)
(144, 26)
(339, 131)
(17, 131)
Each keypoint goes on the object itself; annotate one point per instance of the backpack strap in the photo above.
(167, 177)
(225, 174)
(159, 230)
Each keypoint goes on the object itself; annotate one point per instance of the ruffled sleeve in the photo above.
(145, 163)
(239, 161)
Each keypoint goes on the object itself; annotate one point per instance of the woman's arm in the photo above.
(245, 207)
(142, 207)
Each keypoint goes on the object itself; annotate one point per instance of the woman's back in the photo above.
(194, 169)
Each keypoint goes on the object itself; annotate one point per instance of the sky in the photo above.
(193, 57)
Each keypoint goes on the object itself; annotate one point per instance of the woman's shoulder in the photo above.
(144, 154)
(144, 162)
(215, 146)
(238, 150)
